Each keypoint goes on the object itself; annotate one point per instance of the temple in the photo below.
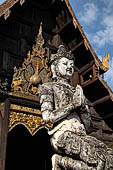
(30, 32)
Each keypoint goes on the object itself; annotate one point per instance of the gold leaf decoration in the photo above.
(34, 70)
(31, 122)
(25, 109)
(105, 60)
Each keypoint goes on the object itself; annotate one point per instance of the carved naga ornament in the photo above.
(34, 70)
(105, 60)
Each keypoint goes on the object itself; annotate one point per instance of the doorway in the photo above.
(26, 152)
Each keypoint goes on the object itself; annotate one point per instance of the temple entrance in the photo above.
(26, 152)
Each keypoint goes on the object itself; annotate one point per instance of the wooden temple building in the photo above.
(30, 31)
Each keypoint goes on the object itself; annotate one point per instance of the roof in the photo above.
(100, 99)
(6, 6)
(76, 23)
(5, 9)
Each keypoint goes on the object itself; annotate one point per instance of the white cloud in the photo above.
(89, 13)
(108, 20)
(109, 75)
(104, 36)
(108, 3)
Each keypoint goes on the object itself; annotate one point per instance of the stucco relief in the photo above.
(67, 108)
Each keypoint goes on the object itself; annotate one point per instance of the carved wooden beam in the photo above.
(108, 115)
(89, 82)
(78, 45)
(86, 67)
(103, 99)
(64, 26)
(6, 6)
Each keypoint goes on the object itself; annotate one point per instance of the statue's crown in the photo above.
(61, 52)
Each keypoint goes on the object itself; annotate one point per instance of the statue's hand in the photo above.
(77, 97)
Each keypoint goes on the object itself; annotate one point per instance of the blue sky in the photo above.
(1, 1)
(96, 19)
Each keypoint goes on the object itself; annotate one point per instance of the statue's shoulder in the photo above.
(78, 87)
(46, 88)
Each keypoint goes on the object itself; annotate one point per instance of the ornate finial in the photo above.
(7, 13)
(21, 2)
(105, 60)
(40, 30)
(38, 49)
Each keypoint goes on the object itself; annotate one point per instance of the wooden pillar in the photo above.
(4, 107)
(75, 79)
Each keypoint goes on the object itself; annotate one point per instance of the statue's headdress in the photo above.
(61, 52)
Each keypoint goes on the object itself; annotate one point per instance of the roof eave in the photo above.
(86, 41)
(6, 6)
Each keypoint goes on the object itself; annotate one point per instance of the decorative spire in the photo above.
(38, 49)
(34, 70)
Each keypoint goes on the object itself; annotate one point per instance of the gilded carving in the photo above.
(3, 85)
(34, 70)
(31, 122)
(105, 60)
(25, 109)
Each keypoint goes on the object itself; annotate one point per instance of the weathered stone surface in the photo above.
(67, 108)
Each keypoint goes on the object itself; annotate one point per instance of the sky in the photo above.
(96, 19)
(1, 1)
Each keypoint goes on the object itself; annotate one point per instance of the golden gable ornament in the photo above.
(34, 70)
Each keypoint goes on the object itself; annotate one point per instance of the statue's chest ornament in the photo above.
(63, 93)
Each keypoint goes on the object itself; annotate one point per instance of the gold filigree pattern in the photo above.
(25, 109)
(105, 60)
(31, 122)
(34, 70)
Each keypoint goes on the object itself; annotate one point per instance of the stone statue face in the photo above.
(65, 68)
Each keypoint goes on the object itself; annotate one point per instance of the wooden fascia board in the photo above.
(109, 115)
(101, 100)
(7, 5)
(107, 87)
(103, 84)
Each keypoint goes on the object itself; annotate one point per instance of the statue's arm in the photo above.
(49, 113)
(83, 109)
(52, 116)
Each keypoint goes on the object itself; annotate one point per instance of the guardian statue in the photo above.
(67, 109)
